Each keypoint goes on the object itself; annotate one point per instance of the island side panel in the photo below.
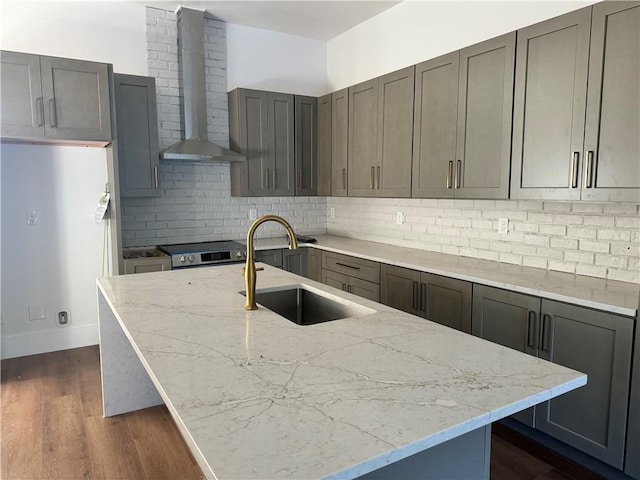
(126, 386)
(463, 457)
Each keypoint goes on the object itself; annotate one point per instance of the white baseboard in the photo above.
(48, 341)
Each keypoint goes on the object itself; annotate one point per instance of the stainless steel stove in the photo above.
(204, 254)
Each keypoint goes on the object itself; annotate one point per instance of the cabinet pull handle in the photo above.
(273, 177)
(423, 297)
(546, 318)
(344, 178)
(54, 117)
(588, 171)
(574, 169)
(414, 304)
(344, 287)
(458, 172)
(348, 266)
(450, 174)
(530, 325)
(373, 177)
(265, 179)
(40, 111)
(155, 176)
(378, 170)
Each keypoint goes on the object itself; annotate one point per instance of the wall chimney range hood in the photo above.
(195, 146)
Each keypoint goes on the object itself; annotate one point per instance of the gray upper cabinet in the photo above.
(440, 299)
(137, 135)
(306, 135)
(435, 124)
(485, 100)
(613, 98)
(380, 136)
(462, 133)
(324, 146)
(261, 127)
(339, 142)
(363, 138)
(549, 107)
(55, 98)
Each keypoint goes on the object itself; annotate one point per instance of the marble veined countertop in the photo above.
(608, 295)
(260, 397)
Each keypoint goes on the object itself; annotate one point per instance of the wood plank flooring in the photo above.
(52, 428)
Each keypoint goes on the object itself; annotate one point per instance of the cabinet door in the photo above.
(363, 138)
(145, 265)
(314, 264)
(339, 142)
(137, 135)
(592, 418)
(485, 101)
(364, 289)
(324, 146)
(248, 136)
(306, 134)
(280, 125)
(295, 261)
(395, 134)
(352, 266)
(335, 280)
(400, 288)
(76, 98)
(446, 301)
(549, 107)
(271, 257)
(612, 149)
(434, 130)
(21, 94)
(510, 319)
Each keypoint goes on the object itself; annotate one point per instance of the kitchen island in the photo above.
(256, 396)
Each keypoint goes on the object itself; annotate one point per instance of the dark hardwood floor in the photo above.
(52, 428)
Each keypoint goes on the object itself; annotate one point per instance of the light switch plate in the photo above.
(37, 312)
(399, 218)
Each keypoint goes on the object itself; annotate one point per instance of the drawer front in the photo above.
(352, 266)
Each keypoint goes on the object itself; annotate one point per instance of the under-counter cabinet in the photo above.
(294, 261)
(137, 135)
(54, 98)
(261, 127)
(145, 260)
(576, 116)
(339, 142)
(351, 274)
(462, 122)
(592, 418)
(440, 299)
(314, 264)
(324, 146)
(380, 136)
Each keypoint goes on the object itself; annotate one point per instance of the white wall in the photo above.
(414, 31)
(267, 60)
(55, 262)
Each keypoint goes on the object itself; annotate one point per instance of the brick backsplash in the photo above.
(593, 239)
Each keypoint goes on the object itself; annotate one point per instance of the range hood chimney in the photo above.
(195, 146)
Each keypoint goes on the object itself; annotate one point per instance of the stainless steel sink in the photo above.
(304, 306)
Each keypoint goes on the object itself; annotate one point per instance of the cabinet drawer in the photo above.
(352, 266)
(362, 288)
(145, 265)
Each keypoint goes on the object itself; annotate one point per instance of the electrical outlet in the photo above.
(399, 218)
(253, 214)
(32, 217)
(503, 226)
(37, 312)
(63, 319)
(332, 212)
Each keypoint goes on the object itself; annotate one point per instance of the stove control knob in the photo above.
(239, 254)
(182, 259)
(191, 258)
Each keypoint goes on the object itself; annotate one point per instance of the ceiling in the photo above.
(322, 20)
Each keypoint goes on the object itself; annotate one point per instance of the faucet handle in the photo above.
(258, 269)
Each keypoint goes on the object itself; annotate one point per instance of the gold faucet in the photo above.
(249, 271)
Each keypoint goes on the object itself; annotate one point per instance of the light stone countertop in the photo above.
(261, 397)
(608, 295)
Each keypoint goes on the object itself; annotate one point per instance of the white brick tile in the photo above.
(526, 227)
(625, 249)
(564, 243)
(628, 222)
(568, 219)
(535, 217)
(586, 207)
(510, 258)
(590, 246)
(624, 275)
(579, 257)
(551, 206)
(591, 270)
(536, 240)
(616, 235)
(553, 229)
(620, 208)
(581, 232)
(561, 266)
(598, 220)
(521, 249)
(550, 253)
(607, 260)
(536, 262)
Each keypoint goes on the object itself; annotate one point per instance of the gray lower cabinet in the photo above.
(324, 146)
(576, 116)
(351, 274)
(295, 261)
(339, 142)
(306, 146)
(314, 264)
(261, 127)
(380, 136)
(55, 98)
(593, 418)
(144, 261)
(462, 114)
(443, 300)
(137, 135)
(271, 257)
(632, 459)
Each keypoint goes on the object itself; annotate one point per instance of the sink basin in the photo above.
(305, 306)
